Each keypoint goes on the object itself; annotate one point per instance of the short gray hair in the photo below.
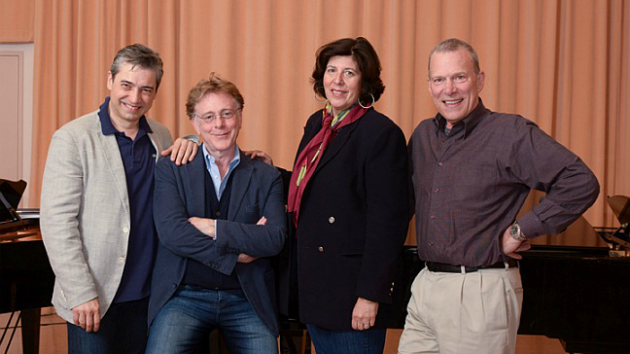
(452, 45)
(140, 55)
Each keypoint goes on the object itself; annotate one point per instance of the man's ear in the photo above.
(481, 80)
(194, 123)
(110, 80)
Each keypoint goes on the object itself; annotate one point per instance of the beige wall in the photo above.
(16, 102)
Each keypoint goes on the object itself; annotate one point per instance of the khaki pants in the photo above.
(463, 313)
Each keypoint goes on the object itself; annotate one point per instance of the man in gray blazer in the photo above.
(96, 203)
(218, 219)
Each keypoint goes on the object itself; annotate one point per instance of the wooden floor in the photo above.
(52, 335)
(53, 338)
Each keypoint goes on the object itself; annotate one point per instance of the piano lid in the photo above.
(620, 205)
(580, 233)
(619, 240)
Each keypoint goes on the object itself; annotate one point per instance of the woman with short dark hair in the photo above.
(348, 203)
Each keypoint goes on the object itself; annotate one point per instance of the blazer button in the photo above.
(331, 220)
(320, 248)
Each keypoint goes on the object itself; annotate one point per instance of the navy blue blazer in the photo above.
(179, 194)
(353, 222)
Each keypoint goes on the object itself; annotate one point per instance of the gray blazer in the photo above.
(85, 216)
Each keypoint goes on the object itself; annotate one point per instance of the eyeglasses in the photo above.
(225, 114)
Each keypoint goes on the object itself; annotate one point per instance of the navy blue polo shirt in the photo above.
(138, 157)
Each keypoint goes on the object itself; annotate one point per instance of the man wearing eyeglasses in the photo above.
(218, 219)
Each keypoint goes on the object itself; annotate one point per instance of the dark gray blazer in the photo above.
(179, 194)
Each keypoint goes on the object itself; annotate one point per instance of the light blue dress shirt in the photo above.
(218, 182)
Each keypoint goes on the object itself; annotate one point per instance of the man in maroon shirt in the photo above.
(472, 170)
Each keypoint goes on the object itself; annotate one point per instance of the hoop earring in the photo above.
(373, 100)
(319, 101)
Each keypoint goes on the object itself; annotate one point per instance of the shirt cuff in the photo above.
(215, 230)
(531, 226)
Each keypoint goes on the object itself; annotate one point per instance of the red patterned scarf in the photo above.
(307, 161)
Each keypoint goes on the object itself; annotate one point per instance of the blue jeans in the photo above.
(185, 322)
(326, 341)
(123, 329)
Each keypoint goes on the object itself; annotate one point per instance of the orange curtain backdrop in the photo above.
(563, 64)
(16, 21)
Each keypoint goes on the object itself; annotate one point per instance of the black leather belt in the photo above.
(449, 268)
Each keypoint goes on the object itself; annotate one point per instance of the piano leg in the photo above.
(30, 330)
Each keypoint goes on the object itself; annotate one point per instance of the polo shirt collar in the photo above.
(106, 122)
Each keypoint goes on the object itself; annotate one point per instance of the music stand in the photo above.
(10, 195)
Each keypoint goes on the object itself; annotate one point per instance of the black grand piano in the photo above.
(578, 295)
(26, 279)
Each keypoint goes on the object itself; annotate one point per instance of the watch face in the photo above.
(515, 232)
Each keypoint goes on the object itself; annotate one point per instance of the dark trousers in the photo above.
(123, 329)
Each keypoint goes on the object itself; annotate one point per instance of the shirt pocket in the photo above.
(252, 213)
(475, 183)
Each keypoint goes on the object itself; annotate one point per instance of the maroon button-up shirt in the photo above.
(470, 184)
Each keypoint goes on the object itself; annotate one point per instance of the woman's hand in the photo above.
(364, 314)
(259, 155)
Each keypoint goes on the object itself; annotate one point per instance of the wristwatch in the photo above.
(515, 232)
